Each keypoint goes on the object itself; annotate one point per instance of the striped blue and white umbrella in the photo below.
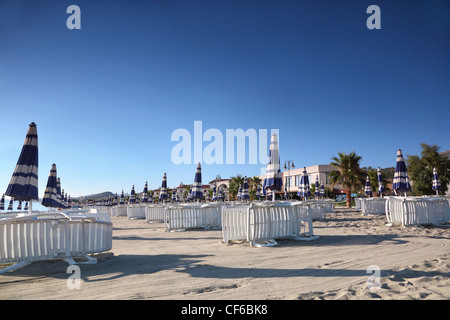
(214, 197)
(63, 199)
(381, 188)
(122, 199)
(51, 193)
(116, 199)
(163, 192)
(2, 202)
(273, 180)
(317, 190)
(26, 206)
(174, 195)
(69, 202)
(436, 183)
(258, 192)
(58, 191)
(19, 206)
(132, 196)
(322, 189)
(24, 181)
(145, 193)
(220, 195)
(196, 191)
(10, 206)
(368, 187)
(303, 188)
(239, 195)
(245, 190)
(401, 179)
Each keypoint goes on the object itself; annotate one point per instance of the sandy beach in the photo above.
(146, 262)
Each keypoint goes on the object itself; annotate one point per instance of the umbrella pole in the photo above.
(30, 207)
(273, 196)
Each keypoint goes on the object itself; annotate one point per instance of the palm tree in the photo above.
(348, 173)
(254, 183)
(236, 182)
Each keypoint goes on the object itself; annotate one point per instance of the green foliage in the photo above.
(420, 170)
(348, 173)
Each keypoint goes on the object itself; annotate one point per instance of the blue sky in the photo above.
(107, 98)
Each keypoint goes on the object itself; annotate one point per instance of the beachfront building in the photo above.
(292, 177)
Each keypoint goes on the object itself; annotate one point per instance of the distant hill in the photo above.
(101, 195)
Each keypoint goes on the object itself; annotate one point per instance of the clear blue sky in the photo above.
(107, 98)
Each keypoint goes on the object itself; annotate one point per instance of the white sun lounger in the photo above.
(48, 236)
(154, 212)
(191, 216)
(136, 211)
(261, 223)
(417, 210)
(370, 206)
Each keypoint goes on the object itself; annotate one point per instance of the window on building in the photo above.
(297, 180)
(288, 181)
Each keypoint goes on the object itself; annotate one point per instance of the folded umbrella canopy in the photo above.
(368, 187)
(24, 181)
(51, 193)
(303, 188)
(196, 191)
(2, 202)
(436, 183)
(273, 180)
(245, 192)
(145, 193)
(163, 191)
(132, 196)
(322, 189)
(401, 179)
(317, 190)
(380, 182)
(122, 199)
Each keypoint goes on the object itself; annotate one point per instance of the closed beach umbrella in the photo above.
(436, 183)
(132, 196)
(401, 179)
(220, 195)
(258, 192)
(303, 188)
(163, 192)
(239, 195)
(245, 192)
(317, 190)
(368, 187)
(26, 206)
(116, 199)
(58, 192)
(122, 199)
(273, 180)
(2, 202)
(51, 194)
(380, 182)
(19, 206)
(322, 189)
(145, 193)
(24, 181)
(214, 198)
(197, 186)
(174, 195)
(10, 206)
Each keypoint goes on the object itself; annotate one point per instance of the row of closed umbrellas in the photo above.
(23, 185)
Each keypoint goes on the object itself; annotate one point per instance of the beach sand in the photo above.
(148, 263)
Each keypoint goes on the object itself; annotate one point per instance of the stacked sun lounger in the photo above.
(52, 236)
(417, 210)
(261, 223)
